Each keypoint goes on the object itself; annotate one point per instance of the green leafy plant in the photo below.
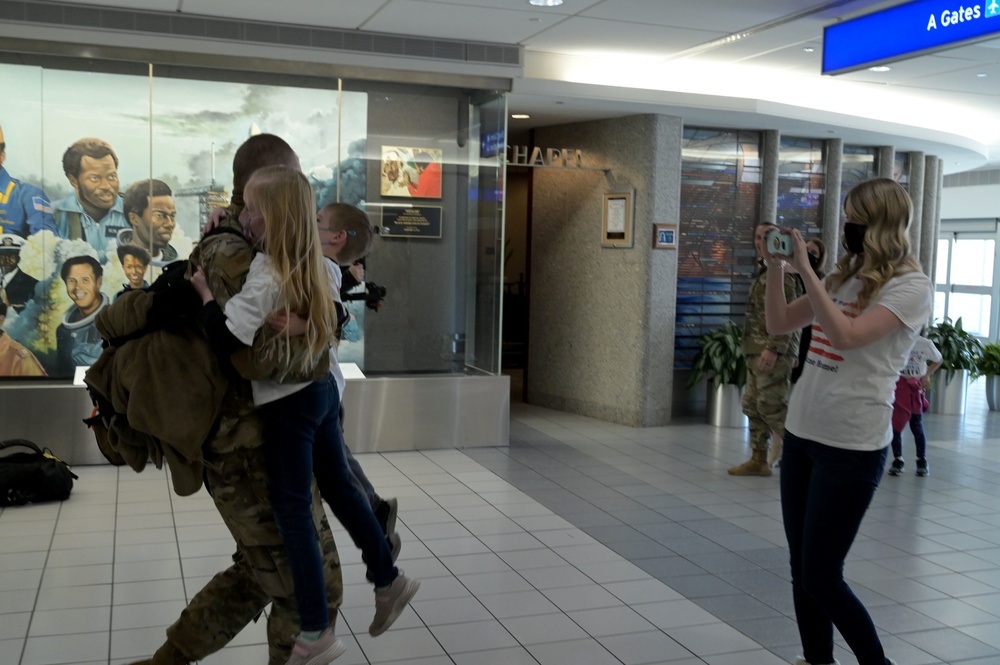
(719, 355)
(988, 363)
(959, 348)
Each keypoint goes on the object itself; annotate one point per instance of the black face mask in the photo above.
(854, 237)
(814, 262)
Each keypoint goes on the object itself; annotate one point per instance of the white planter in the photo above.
(993, 391)
(948, 398)
(725, 406)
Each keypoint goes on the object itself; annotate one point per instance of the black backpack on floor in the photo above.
(32, 475)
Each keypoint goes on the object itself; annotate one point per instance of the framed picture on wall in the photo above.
(619, 218)
(410, 172)
(664, 236)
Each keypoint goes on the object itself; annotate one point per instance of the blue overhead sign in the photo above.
(905, 31)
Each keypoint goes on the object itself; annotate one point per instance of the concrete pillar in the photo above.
(831, 201)
(916, 188)
(886, 161)
(770, 148)
(931, 214)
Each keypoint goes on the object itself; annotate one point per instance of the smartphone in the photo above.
(779, 243)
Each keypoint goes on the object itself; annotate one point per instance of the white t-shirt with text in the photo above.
(923, 351)
(844, 397)
(247, 310)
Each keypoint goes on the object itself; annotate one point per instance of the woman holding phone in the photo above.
(865, 317)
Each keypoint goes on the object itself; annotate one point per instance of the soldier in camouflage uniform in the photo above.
(770, 359)
(236, 477)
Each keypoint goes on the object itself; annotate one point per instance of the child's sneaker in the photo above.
(898, 465)
(922, 468)
(321, 652)
(390, 603)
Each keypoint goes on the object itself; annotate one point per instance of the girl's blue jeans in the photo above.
(303, 439)
(825, 492)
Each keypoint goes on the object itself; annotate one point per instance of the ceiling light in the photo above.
(880, 68)
(545, 3)
(808, 49)
(519, 116)
(981, 75)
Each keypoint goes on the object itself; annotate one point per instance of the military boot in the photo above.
(167, 654)
(756, 466)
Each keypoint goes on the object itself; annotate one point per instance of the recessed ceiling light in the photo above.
(519, 116)
(808, 49)
(981, 75)
(880, 68)
(545, 3)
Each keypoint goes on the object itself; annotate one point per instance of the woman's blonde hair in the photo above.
(885, 208)
(291, 239)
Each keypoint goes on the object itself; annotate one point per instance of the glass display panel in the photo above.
(720, 203)
(173, 140)
(801, 178)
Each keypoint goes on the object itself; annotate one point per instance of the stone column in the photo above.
(886, 158)
(770, 148)
(931, 214)
(831, 201)
(916, 188)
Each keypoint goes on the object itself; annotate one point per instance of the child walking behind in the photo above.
(302, 435)
(910, 403)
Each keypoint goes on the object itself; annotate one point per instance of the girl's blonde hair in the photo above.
(291, 239)
(885, 207)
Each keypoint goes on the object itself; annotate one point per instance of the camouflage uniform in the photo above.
(765, 400)
(236, 477)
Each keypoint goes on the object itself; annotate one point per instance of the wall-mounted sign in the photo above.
(522, 155)
(411, 222)
(664, 236)
(905, 31)
(618, 218)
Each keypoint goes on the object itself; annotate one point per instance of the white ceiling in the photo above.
(591, 59)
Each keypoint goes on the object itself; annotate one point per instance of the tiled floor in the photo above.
(584, 543)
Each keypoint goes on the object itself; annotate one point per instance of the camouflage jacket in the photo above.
(755, 336)
(225, 258)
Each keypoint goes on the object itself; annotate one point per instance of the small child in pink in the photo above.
(911, 403)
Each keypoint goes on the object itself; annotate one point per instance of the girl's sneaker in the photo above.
(321, 652)
(922, 468)
(898, 465)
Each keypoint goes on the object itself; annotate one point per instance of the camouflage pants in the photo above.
(765, 400)
(237, 479)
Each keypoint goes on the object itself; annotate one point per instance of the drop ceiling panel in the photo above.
(727, 16)
(452, 21)
(348, 14)
(962, 81)
(590, 36)
(147, 5)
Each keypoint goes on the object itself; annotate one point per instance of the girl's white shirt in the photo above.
(246, 313)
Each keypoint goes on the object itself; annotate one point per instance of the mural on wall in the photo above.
(105, 178)
(411, 172)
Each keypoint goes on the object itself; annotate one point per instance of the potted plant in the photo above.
(960, 352)
(721, 358)
(988, 365)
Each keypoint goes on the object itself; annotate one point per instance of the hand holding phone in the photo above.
(779, 243)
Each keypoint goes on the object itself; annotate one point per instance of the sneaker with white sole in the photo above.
(321, 652)
(897, 466)
(390, 603)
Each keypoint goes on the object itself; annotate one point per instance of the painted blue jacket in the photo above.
(24, 208)
(73, 222)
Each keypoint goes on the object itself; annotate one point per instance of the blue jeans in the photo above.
(919, 438)
(825, 492)
(302, 439)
